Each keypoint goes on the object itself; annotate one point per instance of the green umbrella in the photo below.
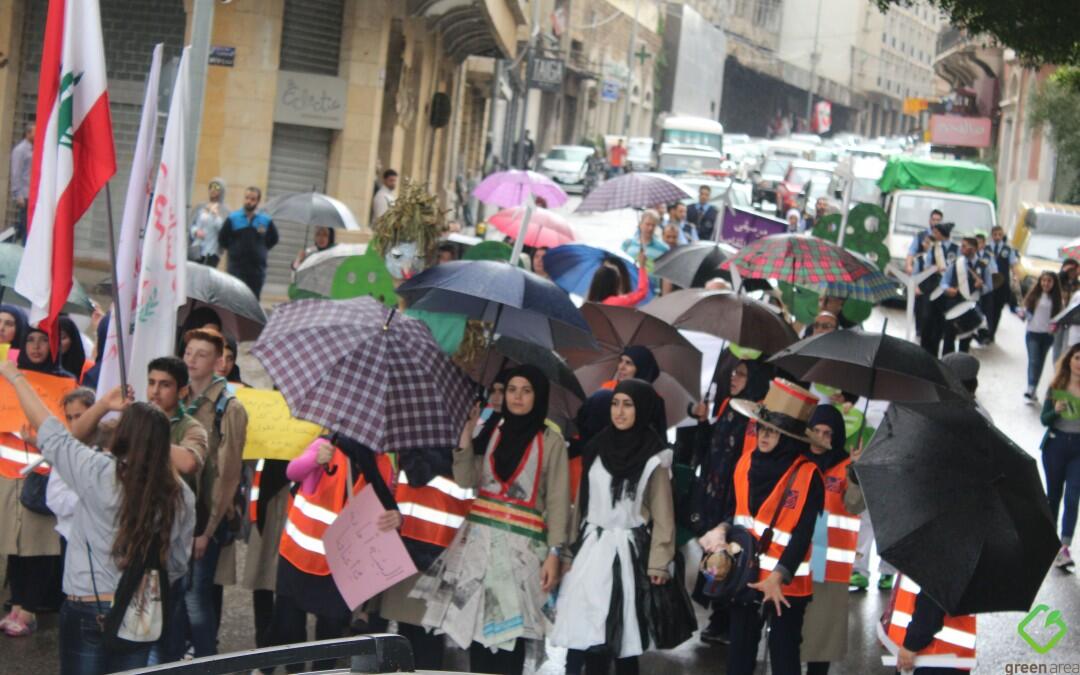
(489, 250)
(78, 301)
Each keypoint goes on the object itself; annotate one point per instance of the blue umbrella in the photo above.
(572, 266)
(518, 303)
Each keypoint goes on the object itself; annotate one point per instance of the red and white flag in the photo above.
(73, 158)
(162, 286)
(129, 247)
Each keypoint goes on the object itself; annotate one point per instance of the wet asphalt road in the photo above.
(1000, 648)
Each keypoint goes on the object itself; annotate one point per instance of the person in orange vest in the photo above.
(836, 534)
(488, 590)
(923, 636)
(304, 585)
(774, 484)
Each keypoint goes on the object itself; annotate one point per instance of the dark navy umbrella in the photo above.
(517, 303)
(572, 266)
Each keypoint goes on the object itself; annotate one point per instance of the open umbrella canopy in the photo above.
(958, 507)
(617, 328)
(545, 228)
(316, 273)
(78, 302)
(512, 188)
(311, 209)
(692, 265)
(572, 266)
(872, 287)
(241, 314)
(798, 259)
(732, 316)
(359, 368)
(634, 190)
(873, 365)
(516, 302)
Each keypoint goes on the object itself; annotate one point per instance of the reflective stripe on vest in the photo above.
(253, 495)
(956, 637)
(15, 455)
(791, 505)
(843, 533)
(432, 513)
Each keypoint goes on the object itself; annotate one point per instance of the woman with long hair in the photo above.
(1041, 303)
(1061, 447)
(610, 284)
(133, 510)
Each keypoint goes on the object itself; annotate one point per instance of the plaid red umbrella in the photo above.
(798, 259)
(365, 371)
(1071, 250)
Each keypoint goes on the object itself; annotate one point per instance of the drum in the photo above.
(929, 286)
(965, 318)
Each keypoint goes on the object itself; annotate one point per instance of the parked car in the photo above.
(567, 165)
(801, 173)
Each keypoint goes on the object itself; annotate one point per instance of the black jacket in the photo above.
(704, 218)
(248, 241)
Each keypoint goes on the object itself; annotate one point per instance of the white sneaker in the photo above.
(1063, 560)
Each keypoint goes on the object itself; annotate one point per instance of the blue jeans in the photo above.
(82, 651)
(1038, 346)
(194, 616)
(173, 643)
(1061, 462)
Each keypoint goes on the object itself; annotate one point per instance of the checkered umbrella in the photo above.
(873, 287)
(365, 371)
(798, 259)
(1071, 250)
(635, 190)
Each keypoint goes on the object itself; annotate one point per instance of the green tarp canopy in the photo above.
(958, 177)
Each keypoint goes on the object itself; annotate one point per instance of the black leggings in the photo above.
(290, 626)
(428, 648)
(35, 581)
(785, 636)
(262, 602)
(502, 662)
(599, 663)
(817, 668)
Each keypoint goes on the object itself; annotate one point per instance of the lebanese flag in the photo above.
(73, 157)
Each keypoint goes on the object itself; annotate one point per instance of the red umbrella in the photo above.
(545, 228)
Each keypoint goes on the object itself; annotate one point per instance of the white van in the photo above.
(690, 145)
(909, 214)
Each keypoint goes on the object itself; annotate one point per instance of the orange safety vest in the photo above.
(955, 639)
(16, 454)
(843, 526)
(310, 515)
(253, 494)
(791, 505)
(434, 512)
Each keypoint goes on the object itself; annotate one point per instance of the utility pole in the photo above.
(814, 56)
(202, 24)
(534, 36)
(630, 68)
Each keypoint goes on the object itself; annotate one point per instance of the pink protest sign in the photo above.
(364, 561)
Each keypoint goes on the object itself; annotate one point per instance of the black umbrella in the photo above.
(733, 316)
(958, 507)
(242, 316)
(1070, 316)
(517, 303)
(690, 266)
(873, 365)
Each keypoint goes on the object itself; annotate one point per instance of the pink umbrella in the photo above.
(545, 228)
(511, 188)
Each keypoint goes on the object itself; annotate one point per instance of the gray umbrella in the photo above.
(316, 273)
(241, 314)
(635, 190)
(311, 209)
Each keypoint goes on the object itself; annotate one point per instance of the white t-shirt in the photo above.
(1039, 320)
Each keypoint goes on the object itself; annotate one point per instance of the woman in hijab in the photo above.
(626, 494)
(72, 353)
(485, 591)
(324, 239)
(774, 483)
(206, 224)
(836, 534)
(713, 495)
(13, 326)
(795, 220)
(27, 538)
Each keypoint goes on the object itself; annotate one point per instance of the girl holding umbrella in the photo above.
(776, 484)
(488, 591)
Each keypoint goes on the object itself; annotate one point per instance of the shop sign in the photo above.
(310, 100)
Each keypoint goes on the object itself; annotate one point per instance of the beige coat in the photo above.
(260, 565)
(23, 532)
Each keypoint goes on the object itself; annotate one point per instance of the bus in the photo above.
(689, 144)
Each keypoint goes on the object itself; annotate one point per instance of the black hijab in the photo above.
(21, 324)
(518, 431)
(829, 415)
(767, 468)
(624, 453)
(48, 366)
(592, 417)
(482, 439)
(75, 357)
(647, 368)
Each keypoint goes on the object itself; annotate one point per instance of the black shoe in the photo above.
(712, 636)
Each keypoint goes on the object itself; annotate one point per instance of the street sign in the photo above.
(222, 55)
(609, 91)
(547, 74)
(956, 130)
(914, 106)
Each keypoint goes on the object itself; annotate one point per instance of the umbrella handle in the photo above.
(389, 318)
(873, 377)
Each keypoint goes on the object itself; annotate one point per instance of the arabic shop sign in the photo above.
(740, 227)
(310, 100)
(546, 74)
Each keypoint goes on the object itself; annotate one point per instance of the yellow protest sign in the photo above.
(272, 431)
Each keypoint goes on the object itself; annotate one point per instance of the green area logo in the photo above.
(1053, 619)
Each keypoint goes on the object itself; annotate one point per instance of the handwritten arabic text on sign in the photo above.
(310, 100)
(272, 431)
(364, 561)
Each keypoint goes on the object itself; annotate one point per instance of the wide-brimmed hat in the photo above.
(786, 408)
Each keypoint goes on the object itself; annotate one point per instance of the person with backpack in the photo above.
(134, 520)
(211, 402)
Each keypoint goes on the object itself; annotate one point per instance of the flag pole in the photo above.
(116, 295)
